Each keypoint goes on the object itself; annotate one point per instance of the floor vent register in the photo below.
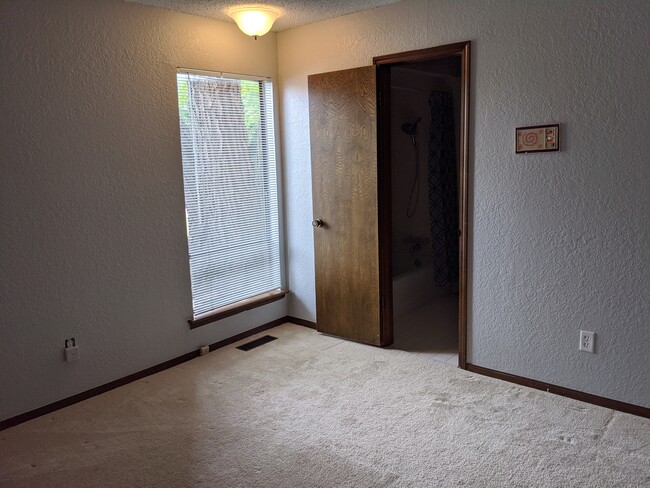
(256, 343)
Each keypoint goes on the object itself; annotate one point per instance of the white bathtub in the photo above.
(414, 289)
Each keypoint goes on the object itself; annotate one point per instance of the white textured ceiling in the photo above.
(294, 13)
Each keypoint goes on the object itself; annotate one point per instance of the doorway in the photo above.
(351, 139)
(423, 124)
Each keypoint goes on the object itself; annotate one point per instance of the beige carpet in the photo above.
(313, 411)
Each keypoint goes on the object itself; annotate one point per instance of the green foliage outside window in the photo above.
(250, 97)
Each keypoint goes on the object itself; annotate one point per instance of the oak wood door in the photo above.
(343, 130)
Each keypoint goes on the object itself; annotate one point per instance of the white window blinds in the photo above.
(229, 172)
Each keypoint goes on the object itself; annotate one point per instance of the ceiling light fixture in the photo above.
(254, 20)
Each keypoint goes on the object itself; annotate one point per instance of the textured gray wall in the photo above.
(559, 240)
(91, 200)
(91, 193)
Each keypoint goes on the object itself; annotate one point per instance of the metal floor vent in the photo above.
(256, 343)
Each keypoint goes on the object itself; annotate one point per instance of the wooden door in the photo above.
(343, 129)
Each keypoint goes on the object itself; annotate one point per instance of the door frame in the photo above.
(383, 65)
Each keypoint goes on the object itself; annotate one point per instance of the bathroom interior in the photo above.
(425, 159)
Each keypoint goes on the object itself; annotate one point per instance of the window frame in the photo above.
(265, 298)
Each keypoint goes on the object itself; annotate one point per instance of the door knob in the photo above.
(317, 223)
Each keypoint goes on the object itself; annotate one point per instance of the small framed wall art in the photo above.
(537, 138)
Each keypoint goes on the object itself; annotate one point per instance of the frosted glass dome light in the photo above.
(254, 20)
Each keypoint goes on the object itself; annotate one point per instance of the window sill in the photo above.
(237, 307)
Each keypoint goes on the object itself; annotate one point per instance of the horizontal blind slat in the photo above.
(229, 172)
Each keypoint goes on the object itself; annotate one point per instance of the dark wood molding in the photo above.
(464, 190)
(98, 390)
(558, 390)
(428, 54)
(562, 391)
(248, 333)
(238, 307)
(303, 322)
(384, 64)
(79, 397)
(384, 209)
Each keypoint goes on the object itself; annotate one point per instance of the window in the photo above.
(229, 173)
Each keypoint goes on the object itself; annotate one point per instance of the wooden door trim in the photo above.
(384, 208)
(428, 54)
(383, 63)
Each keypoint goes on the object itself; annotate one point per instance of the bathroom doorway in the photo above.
(423, 124)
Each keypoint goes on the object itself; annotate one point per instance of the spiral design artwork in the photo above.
(530, 138)
(537, 138)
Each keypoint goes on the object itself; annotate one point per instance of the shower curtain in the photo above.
(443, 189)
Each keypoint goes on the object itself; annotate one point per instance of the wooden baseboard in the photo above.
(558, 390)
(562, 391)
(303, 322)
(248, 333)
(79, 397)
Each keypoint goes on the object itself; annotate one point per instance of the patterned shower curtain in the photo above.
(443, 189)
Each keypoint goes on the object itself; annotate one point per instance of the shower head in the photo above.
(411, 129)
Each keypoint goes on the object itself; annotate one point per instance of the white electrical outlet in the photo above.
(587, 338)
(71, 350)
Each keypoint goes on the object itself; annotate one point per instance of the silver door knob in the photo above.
(317, 223)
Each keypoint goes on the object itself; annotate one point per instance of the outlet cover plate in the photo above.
(71, 354)
(587, 339)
